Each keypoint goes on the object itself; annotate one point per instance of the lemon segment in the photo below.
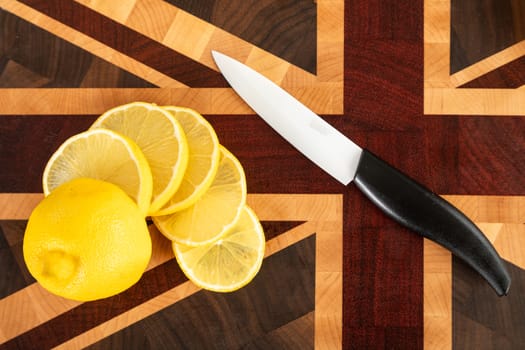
(203, 159)
(161, 139)
(87, 240)
(215, 212)
(104, 155)
(229, 263)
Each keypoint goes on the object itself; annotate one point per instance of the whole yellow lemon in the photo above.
(87, 240)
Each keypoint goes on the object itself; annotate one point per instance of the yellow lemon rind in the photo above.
(174, 236)
(75, 241)
(200, 188)
(255, 268)
(160, 195)
(145, 186)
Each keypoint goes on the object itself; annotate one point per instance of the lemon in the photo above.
(203, 161)
(161, 139)
(215, 212)
(87, 240)
(104, 155)
(230, 262)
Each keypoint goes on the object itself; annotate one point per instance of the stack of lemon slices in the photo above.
(170, 162)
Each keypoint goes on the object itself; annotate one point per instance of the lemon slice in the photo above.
(215, 212)
(161, 139)
(104, 155)
(230, 262)
(203, 161)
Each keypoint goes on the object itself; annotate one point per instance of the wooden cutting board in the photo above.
(337, 273)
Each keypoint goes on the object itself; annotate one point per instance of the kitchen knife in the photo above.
(397, 195)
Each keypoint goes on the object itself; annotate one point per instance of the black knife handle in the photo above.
(426, 213)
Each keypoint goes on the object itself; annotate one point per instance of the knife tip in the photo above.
(215, 54)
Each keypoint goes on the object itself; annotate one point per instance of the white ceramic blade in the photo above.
(310, 134)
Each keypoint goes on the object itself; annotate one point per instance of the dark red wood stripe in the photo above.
(482, 149)
(27, 142)
(130, 42)
(508, 76)
(271, 164)
(91, 314)
(383, 262)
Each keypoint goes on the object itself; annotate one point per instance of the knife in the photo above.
(397, 195)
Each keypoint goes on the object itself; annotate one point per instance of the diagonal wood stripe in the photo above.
(100, 311)
(510, 75)
(162, 263)
(169, 297)
(144, 17)
(160, 21)
(129, 42)
(323, 92)
(490, 64)
(89, 44)
(322, 214)
(441, 95)
(293, 33)
(482, 28)
(500, 218)
(108, 314)
(30, 300)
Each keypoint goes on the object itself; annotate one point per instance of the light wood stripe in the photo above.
(491, 209)
(323, 92)
(36, 305)
(440, 93)
(437, 50)
(171, 26)
(437, 297)
(18, 206)
(323, 216)
(488, 64)
(482, 102)
(187, 34)
(94, 101)
(171, 296)
(500, 218)
(89, 44)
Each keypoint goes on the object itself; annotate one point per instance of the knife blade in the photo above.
(395, 193)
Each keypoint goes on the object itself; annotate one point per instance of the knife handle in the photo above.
(426, 213)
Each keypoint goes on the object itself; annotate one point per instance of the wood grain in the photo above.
(164, 284)
(35, 58)
(293, 23)
(396, 67)
(460, 308)
(96, 48)
(246, 318)
(511, 75)
(492, 92)
(167, 36)
(383, 103)
(489, 66)
(130, 42)
(482, 28)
